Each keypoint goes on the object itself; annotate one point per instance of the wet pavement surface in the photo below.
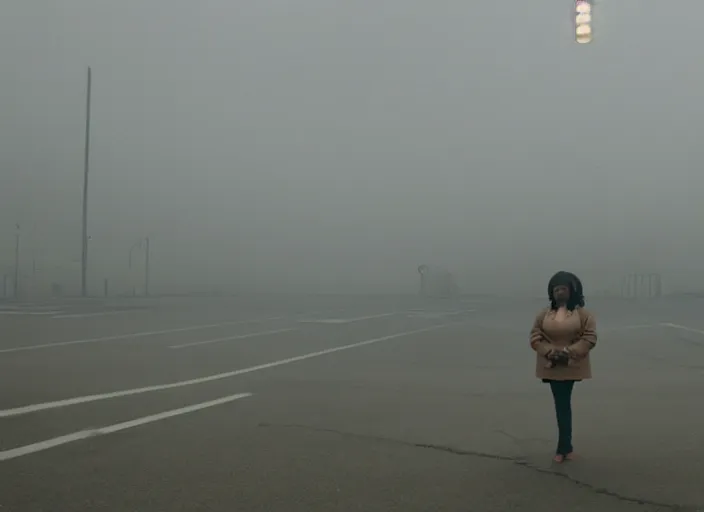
(342, 404)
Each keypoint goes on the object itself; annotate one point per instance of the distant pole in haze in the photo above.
(146, 267)
(16, 284)
(86, 166)
(423, 270)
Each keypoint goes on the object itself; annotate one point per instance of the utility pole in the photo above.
(86, 166)
(16, 284)
(146, 267)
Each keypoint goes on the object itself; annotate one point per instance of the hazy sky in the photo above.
(329, 145)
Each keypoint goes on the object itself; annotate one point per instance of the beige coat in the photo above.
(578, 332)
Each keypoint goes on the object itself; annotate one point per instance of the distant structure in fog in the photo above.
(583, 21)
(437, 282)
(641, 286)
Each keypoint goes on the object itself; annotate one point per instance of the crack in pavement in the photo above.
(518, 461)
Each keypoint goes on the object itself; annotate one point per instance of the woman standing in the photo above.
(562, 337)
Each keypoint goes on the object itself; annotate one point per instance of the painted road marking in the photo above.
(683, 328)
(345, 320)
(30, 313)
(100, 313)
(27, 409)
(30, 307)
(629, 327)
(430, 315)
(232, 338)
(134, 335)
(111, 429)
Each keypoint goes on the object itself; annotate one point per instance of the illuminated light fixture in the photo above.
(582, 21)
(583, 30)
(583, 7)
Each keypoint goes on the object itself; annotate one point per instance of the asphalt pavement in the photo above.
(341, 404)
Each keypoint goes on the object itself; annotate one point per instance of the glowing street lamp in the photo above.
(583, 31)
(583, 21)
(583, 7)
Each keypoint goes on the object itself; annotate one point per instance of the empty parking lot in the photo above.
(342, 403)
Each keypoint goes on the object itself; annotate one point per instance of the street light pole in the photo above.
(86, 166)
(146, 267)
(16, 284)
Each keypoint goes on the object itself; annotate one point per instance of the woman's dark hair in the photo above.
(574, 284)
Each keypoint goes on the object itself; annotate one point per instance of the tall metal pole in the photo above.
(146, 267)
(16, 284)
(86, 162)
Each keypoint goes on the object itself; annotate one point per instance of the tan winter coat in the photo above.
(577, 331)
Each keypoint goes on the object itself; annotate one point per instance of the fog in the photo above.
(329, 146)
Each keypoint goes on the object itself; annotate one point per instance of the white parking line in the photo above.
(626, 327)
(344, 320)
(99, 313)
(232, 338)
(111, 429)
(29, 313)
(460, 312)
(27, 409)
(683, 328)
(430, 315)
(133, 335)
